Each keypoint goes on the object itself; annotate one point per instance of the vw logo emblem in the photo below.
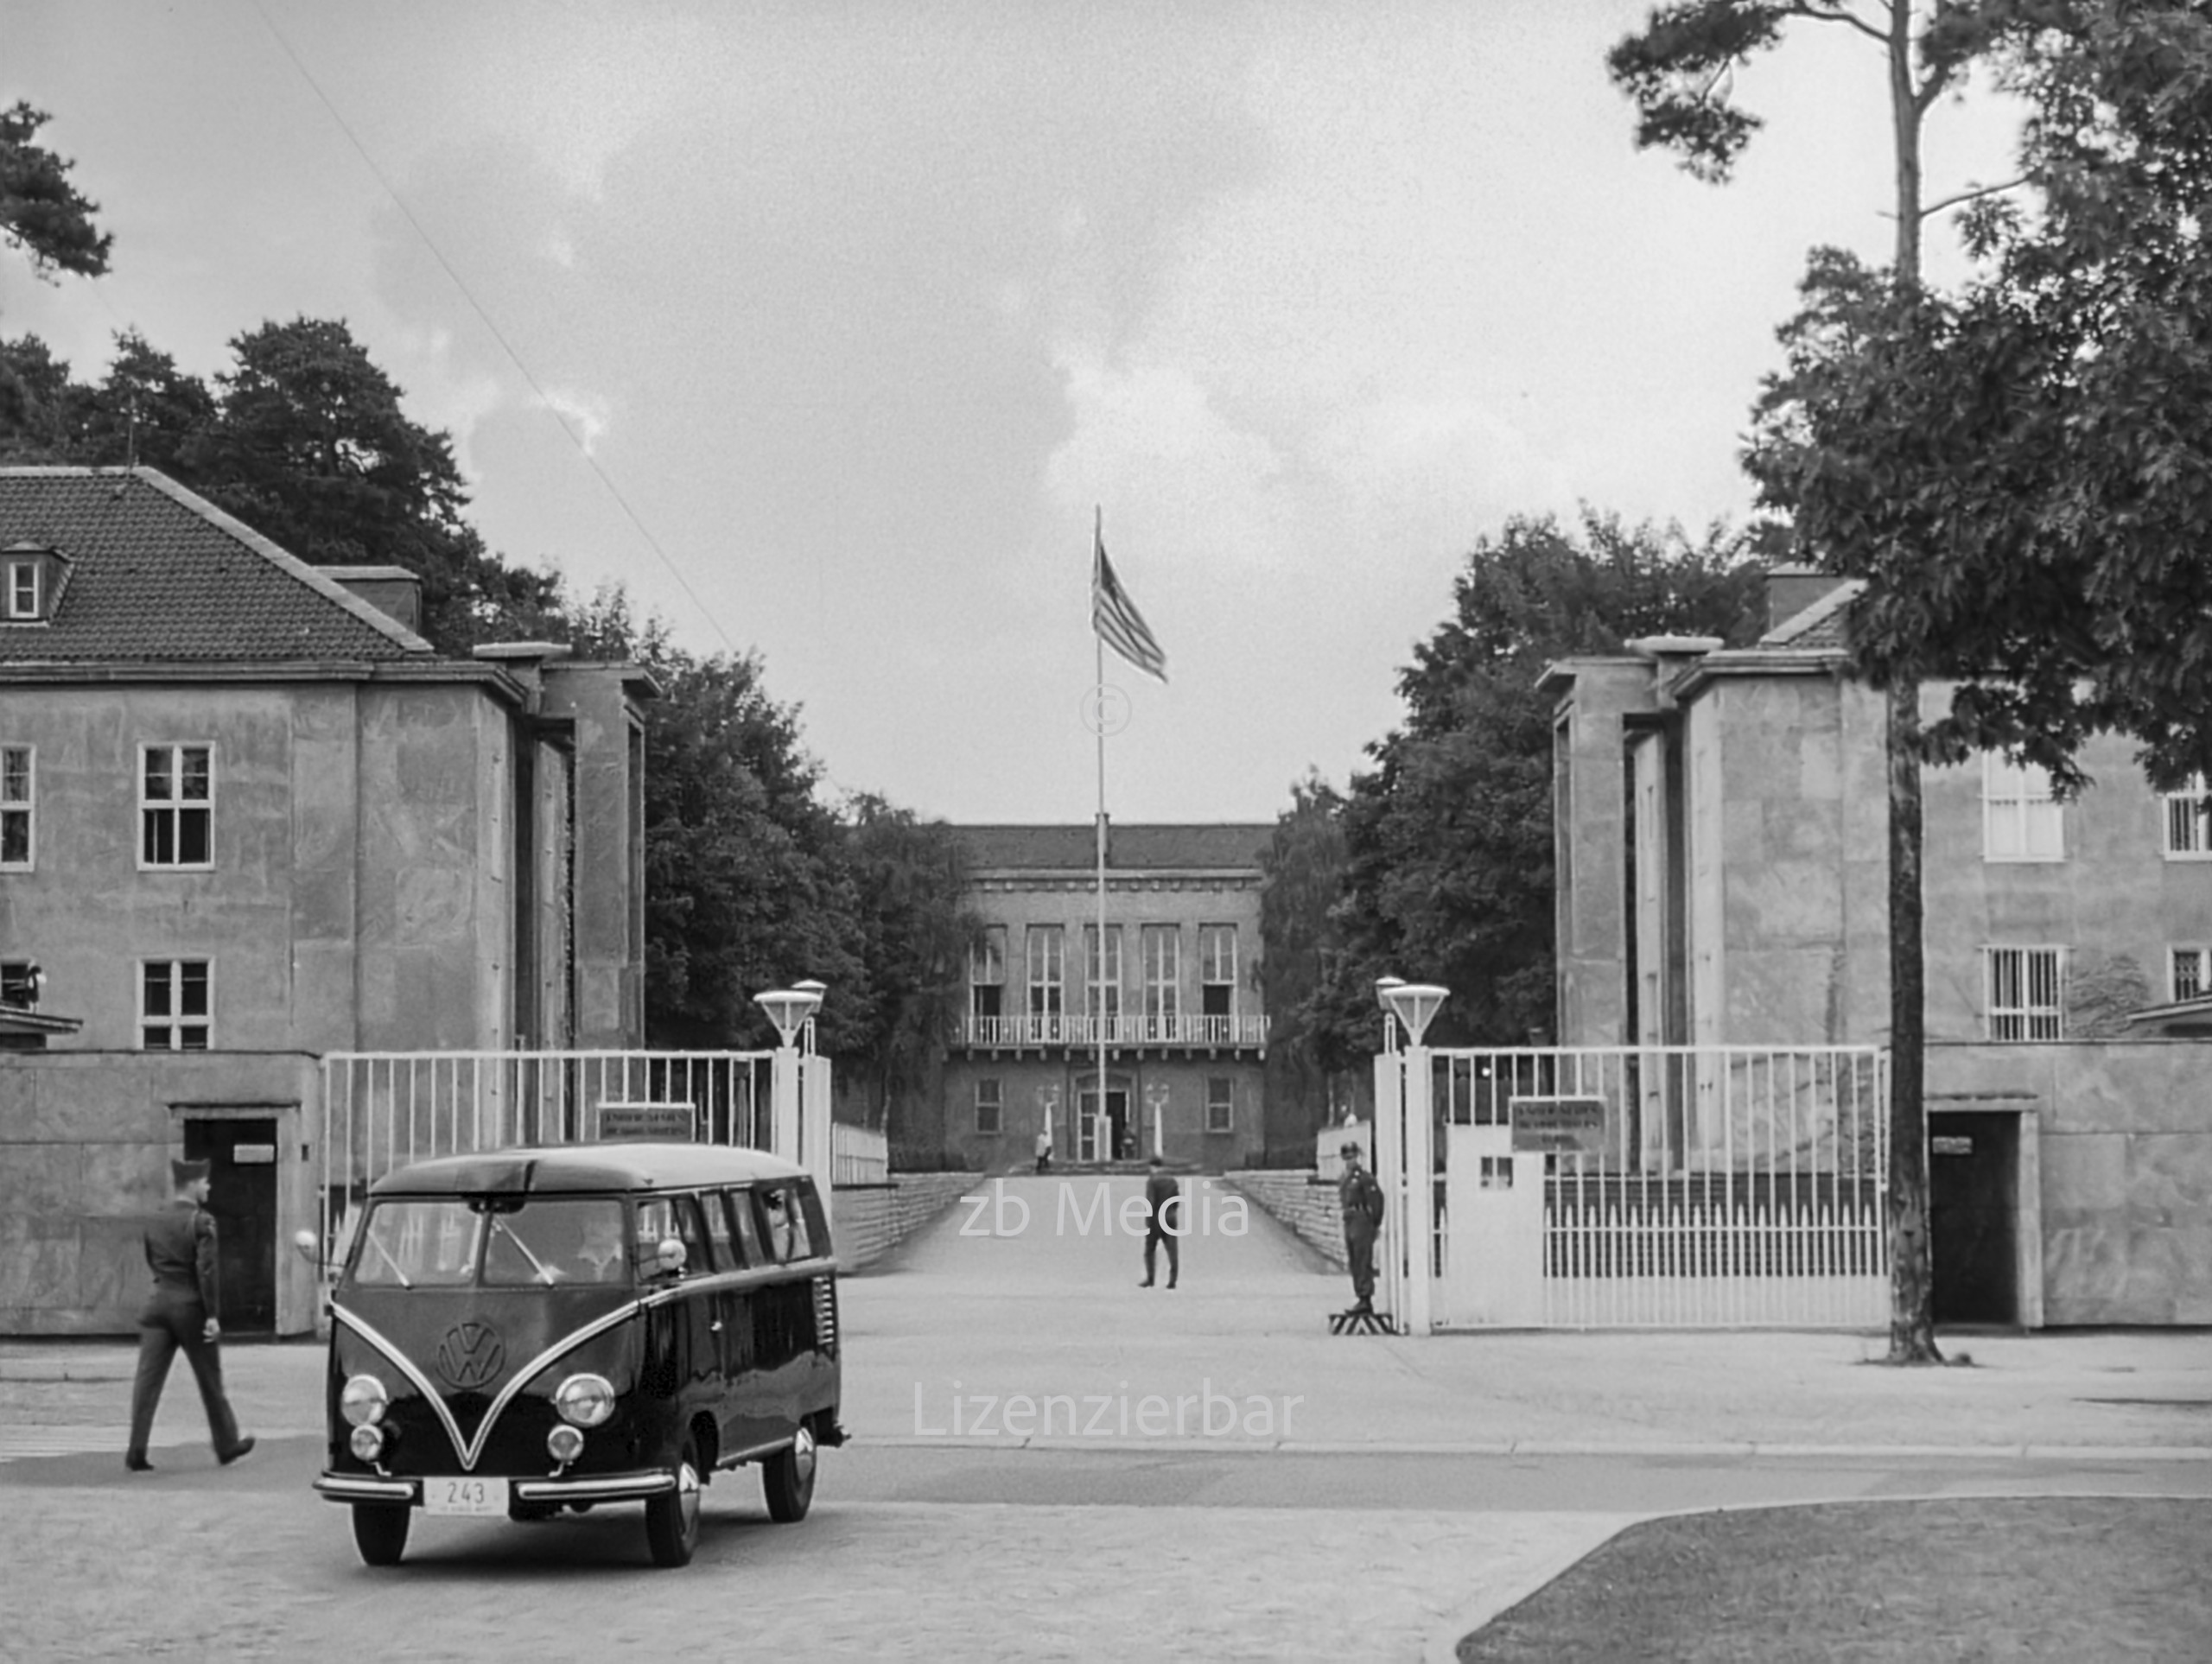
(471, 1354)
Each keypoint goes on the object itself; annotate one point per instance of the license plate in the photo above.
(475, 1497)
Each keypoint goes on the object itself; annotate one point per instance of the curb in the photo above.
(1733, 1452)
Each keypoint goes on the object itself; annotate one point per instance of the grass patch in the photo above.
(2047, 1577)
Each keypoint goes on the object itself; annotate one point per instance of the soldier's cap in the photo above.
(187, 1172)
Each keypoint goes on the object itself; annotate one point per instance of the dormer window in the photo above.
(29, 576)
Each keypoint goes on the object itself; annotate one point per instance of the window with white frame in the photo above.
(2188, 824)
(25, 594)
(177, 806)
(2021, 819)
(1221, 1105)
(987, 972)
(1217, 970)
(1104, 984)
(2191, 972)
(1045, 969)
(989, 1106)
(18, 805)
(175, 1010)
(2026, 993)
(1163, 971)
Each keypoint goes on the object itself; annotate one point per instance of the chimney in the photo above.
(1791, 589)
(393, 590)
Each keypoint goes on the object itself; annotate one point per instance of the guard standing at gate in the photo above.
(184, 1311)
(1362, 1200)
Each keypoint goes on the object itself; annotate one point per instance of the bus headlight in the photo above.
(367, 1442)
(363, 1401)
(585, 1399)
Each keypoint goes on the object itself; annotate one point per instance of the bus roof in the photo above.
(555, 1169)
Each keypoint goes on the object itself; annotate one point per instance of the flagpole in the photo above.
(1098, 643)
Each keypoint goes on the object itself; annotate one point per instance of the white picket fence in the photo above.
(859, 1155)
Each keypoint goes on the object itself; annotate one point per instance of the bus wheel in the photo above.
(380, 1531)
(787, 1479)
(672, 1517)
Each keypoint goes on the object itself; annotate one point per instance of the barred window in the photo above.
(2192, 973)
(989, 1107)
(2188, 825)
(2026, 993)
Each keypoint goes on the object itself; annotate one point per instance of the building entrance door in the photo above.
(1972, 1163)
(1110, 1137)
(241, 1155)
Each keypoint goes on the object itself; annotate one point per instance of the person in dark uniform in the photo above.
(1362, 1200)
(184, 1311)
(1163, 1198)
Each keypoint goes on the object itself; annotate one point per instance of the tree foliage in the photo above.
(1448, 840)
(41, 213)
(310, 447)
(2022, 471)
(1301, 938)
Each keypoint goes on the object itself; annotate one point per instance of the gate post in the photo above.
(1415, 1004)
(1389, 1171)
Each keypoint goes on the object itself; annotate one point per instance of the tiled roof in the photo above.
(1824, 626)
(1129, 848)
(158, 575)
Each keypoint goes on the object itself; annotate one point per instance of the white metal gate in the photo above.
(382, 1110)
(1643, 1186)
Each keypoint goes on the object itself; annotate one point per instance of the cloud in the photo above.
(586, 417)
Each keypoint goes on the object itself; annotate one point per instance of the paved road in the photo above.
(1419, 1486)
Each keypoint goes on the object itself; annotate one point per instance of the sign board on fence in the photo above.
(660, 1123)
(1560, 1124)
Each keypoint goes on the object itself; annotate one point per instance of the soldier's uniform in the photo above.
(180, 1253)
(1361, 1198)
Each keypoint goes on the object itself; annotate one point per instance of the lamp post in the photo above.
(791, 1010)
(1416, 1006)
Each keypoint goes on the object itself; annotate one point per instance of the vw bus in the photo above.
(524, 1330)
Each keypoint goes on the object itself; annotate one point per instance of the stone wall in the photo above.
(1304, 1201)
(870, 1220)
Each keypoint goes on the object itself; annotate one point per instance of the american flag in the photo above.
(1117, 621)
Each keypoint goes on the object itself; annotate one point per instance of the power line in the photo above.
(515, 357)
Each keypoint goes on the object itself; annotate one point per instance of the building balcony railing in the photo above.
(1037, 1033)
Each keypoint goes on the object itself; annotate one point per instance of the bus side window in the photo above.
(728, 1256)
(745, 1228)
(816, 1223)
(781, 1224)
(697, 1256)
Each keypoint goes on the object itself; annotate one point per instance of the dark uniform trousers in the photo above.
(1163, 1204)
(180, 1253)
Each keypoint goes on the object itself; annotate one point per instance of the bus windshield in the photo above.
(457, 1240)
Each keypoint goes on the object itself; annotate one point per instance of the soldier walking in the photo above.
(183, 1311)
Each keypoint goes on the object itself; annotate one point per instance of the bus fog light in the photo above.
(565, 1443)
(367, 1442)
(585, 1399)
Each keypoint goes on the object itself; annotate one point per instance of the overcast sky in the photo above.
(861, 308)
